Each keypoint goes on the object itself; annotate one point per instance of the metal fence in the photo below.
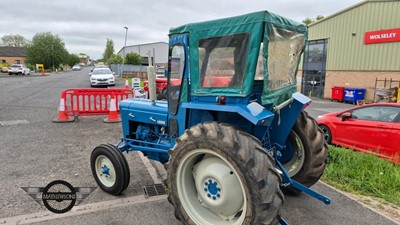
(119, 68)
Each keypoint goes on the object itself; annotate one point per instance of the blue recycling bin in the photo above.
(352, 95)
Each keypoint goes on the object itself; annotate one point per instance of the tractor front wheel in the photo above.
(110, 169)
(308, 153)
(220, 175)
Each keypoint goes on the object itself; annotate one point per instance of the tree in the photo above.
(307, 21)
(115, 59)
(319, 17)
(109, 51)
(47, 49)
(13, 40)
(133, 59)
(72, 60)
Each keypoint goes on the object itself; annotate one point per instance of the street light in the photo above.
(126, 34)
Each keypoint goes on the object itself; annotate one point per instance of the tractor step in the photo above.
(153, 190)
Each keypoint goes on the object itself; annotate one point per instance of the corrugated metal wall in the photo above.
(160, 51)
(348, 52)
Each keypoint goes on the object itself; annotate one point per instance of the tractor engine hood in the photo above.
(141, 110)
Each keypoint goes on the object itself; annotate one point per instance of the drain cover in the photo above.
(154, 190)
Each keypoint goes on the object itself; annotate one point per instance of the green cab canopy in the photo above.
(262, 28)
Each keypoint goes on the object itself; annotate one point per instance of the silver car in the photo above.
(19, 69)
(102, 77)
(76, 68)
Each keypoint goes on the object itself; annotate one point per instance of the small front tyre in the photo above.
(110, 169)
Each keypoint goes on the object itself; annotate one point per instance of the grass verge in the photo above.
(363, 174)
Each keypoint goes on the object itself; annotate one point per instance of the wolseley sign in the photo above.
(382, 36)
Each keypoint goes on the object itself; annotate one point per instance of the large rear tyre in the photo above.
(309, 153)
(220, 175)
(110, 169)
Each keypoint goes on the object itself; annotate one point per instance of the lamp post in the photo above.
(123, 52)
(126, 34)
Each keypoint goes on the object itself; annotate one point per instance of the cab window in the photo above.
(177, 66)
(222, 60)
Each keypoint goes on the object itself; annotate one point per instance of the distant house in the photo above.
(84, 59)
(12, 55)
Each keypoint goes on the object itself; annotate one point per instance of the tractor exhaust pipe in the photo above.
(151, 75)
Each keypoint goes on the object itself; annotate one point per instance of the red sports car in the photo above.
(372, 128)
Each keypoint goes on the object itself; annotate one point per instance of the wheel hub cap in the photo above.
(212, 189)
(105, 170)
(218, 186)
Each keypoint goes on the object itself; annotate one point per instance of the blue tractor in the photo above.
(233, 134)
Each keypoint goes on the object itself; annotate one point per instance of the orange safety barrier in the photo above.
(90, 102)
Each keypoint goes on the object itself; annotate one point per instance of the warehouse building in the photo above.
(353, 48)
(159, 51)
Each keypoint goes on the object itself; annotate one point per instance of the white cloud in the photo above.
(85, 26)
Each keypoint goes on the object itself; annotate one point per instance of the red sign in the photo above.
(382, 36)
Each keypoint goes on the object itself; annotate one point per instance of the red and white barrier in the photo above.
(90, 102)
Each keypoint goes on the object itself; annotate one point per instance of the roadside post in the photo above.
(40, 66)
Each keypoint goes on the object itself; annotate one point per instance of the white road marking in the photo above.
(150, 168)
(13, 122)
(81, 209)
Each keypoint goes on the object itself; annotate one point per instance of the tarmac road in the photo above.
(34, 151)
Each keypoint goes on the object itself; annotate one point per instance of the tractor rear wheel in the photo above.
(220, 175)
(110, 169)
(309, 153)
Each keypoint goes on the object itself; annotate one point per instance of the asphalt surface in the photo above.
(34, 151)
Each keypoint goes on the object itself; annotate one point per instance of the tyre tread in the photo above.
(244, 150)
(316, 151)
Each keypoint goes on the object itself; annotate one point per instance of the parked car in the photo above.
(371, 128)
(76, 68)
(20, 69)
(102, 77)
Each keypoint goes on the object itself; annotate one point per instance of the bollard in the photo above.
(126, 82)
(62, 111)
(113, 113)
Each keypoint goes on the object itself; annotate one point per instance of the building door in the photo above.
(314, 68)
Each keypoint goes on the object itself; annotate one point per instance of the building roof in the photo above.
(12, 51)
(348, 9)
(152, 43)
